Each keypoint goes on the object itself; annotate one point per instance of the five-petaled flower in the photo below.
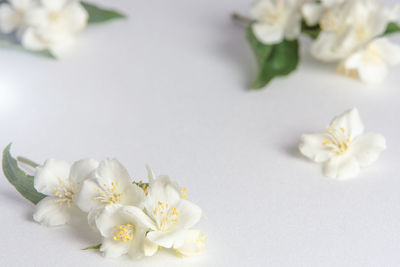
(61, 183)
(343, 148)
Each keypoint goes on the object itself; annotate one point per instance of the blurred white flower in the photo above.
(348, 27)
(276, 20)
(53, 25)
(194, 244)
(61, 183)
(12, 15)
(343, 148)
(370, 62)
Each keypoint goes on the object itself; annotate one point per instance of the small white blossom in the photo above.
(195, 243)
(343, 148)
(13, 15)
(61, 183)
(53, 25)
(276, 20)
(110, 184)
(370, 62)
(122, 233)
(314, 10)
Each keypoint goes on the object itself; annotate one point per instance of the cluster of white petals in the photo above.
(136, 219)
(43, 24)
(276, 20)
(343, 148)
(351, 34)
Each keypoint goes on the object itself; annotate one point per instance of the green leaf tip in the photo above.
(99, 15)
(273, 60)
(392, 27)
(93, 247)
(18, 178)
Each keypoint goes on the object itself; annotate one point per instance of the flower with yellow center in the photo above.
(110, 184)
(167, 214)
(370, 62)
(61, 183)
(121, 232)
(343, 147)
(276, 20)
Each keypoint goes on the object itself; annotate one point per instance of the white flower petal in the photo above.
(111, 170)
(49, 213)
(112, 248)
(53, 5)
(312, 13)
(137, 215)
(8, 19)
(268, 34)
(150, 174)
(312, 147)
(85, 199)
(368, 147)
(194, 243)
(189, 214)
(350, 121)
(77, 16)
(372, 73)
(341, 167)
(81, 169)
(293, 27)
(47, 175)
(31, 41)
(170, 239)
(149, 248)
(133, 195)
(354, 61)
(390, 51)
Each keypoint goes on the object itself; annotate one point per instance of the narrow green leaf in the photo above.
(98, 15)
(93, 247)
(19, 179)
(273, 60)
(392, 27)
(312, 31)
(10, 45)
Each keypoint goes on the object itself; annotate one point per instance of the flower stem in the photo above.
(27, 162)
(242, 19)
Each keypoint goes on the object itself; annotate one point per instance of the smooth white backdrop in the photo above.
(168, 87)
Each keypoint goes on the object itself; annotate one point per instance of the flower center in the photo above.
(109, 195)
(65, 192)
(337, 140)
(165, 216)
(373, 55)
(124, 232)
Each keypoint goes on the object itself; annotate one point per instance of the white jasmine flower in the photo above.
(12, 15)
(348, 27)
(110, 184)
(194, 244)
(370, 63)
(53, 25)
(343, 148)
(276, 20)
(122, 233)
(167, 214)
(314, 10)
(61, 183)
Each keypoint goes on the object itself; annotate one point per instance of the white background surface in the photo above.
(168, 87)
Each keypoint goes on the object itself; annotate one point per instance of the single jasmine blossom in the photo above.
(13, 15)
(370, 62)
(110, 184)
(276, 20)
(343, 148)
(61, 183)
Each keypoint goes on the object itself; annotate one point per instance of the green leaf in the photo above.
(312, 31)
(273, 60)
(93, 247)
(19, 179)
(392, 27)
(10, 45)
(98, 15)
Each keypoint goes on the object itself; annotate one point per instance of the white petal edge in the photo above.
(311, 147)
(49, 213)
(368, 147)
(195, 243)
(47, 175)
